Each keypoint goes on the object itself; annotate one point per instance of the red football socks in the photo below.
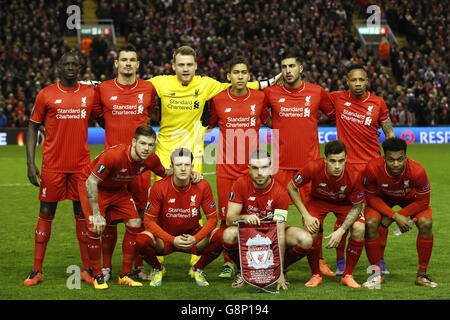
(109, 240)
(81, 231)
(232, 251)
(354, 250)
(383, 232)
(212, 250)
(373, 251)
(138, 261)
(146, 249)
(295, 254)
(129, 248)
(424, 248)
(94, 248)
(314, 256)
(42, 236)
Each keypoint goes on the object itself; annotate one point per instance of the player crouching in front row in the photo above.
(256, 196)
(172, 220)
(336, 187)
(397, 180)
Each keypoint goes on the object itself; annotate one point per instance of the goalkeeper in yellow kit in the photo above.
(183, 98)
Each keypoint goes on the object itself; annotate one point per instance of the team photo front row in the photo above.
(362, 199)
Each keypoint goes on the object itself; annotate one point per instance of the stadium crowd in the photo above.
(218, 30)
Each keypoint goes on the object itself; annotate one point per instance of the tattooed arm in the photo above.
(336, 236)
(386, 126)
(92, 195)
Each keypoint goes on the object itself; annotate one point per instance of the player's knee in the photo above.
(305, 239)
(48, 208)
(358, 231)
(425, 225)
(230, 235)
(372, 225)
(134, 223)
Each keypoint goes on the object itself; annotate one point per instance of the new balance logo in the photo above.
(251, 199)
(384, 185)
(282, 100)
(172, 200)
(44, 192)
(58, 101)
(347, 104)
(113, 98)
(123, 170)
(227, 110)
(322, 184)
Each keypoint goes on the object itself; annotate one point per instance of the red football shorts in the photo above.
(370, 212)
(139, 189)
(59, 186)
(285, 176)
(223, 193)
(320, 208)
(114, 204)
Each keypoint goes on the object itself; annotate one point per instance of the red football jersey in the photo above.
(65, 113)
(357, 123)
(294, 114)
(261, 202)
(402, 188)
(239, 120)
(115, 167)
(125, 108)
(346, 189)
(177, 210)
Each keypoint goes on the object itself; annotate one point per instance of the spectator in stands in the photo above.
(384, 49)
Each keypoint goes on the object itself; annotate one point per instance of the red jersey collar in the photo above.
(178, 189)
(66, 90)
(262, 191)
(295, 90)
(125, 87)
(363, 99)
(238, 98)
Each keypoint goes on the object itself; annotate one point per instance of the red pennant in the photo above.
(259, 253)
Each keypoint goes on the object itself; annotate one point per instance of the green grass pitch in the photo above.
(19, 212)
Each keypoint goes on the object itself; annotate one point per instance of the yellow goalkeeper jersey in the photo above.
(181, 111)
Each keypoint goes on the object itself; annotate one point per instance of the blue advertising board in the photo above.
(410, 134)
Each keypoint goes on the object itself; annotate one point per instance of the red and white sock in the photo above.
(354, 250)
(109, 240)
(81, 231)
(146, 249)
(424, 248)
(42, 236)
(212, 250)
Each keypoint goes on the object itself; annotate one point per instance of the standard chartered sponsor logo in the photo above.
(70, 113)
(241, 122)
(356, 117)
(181, 104)
(179, 213)
(124, 110)
(295, 112)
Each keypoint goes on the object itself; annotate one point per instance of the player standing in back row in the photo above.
(295, 105)
(239, 112)
(65, 109)
(359, 115)
(126, 102)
